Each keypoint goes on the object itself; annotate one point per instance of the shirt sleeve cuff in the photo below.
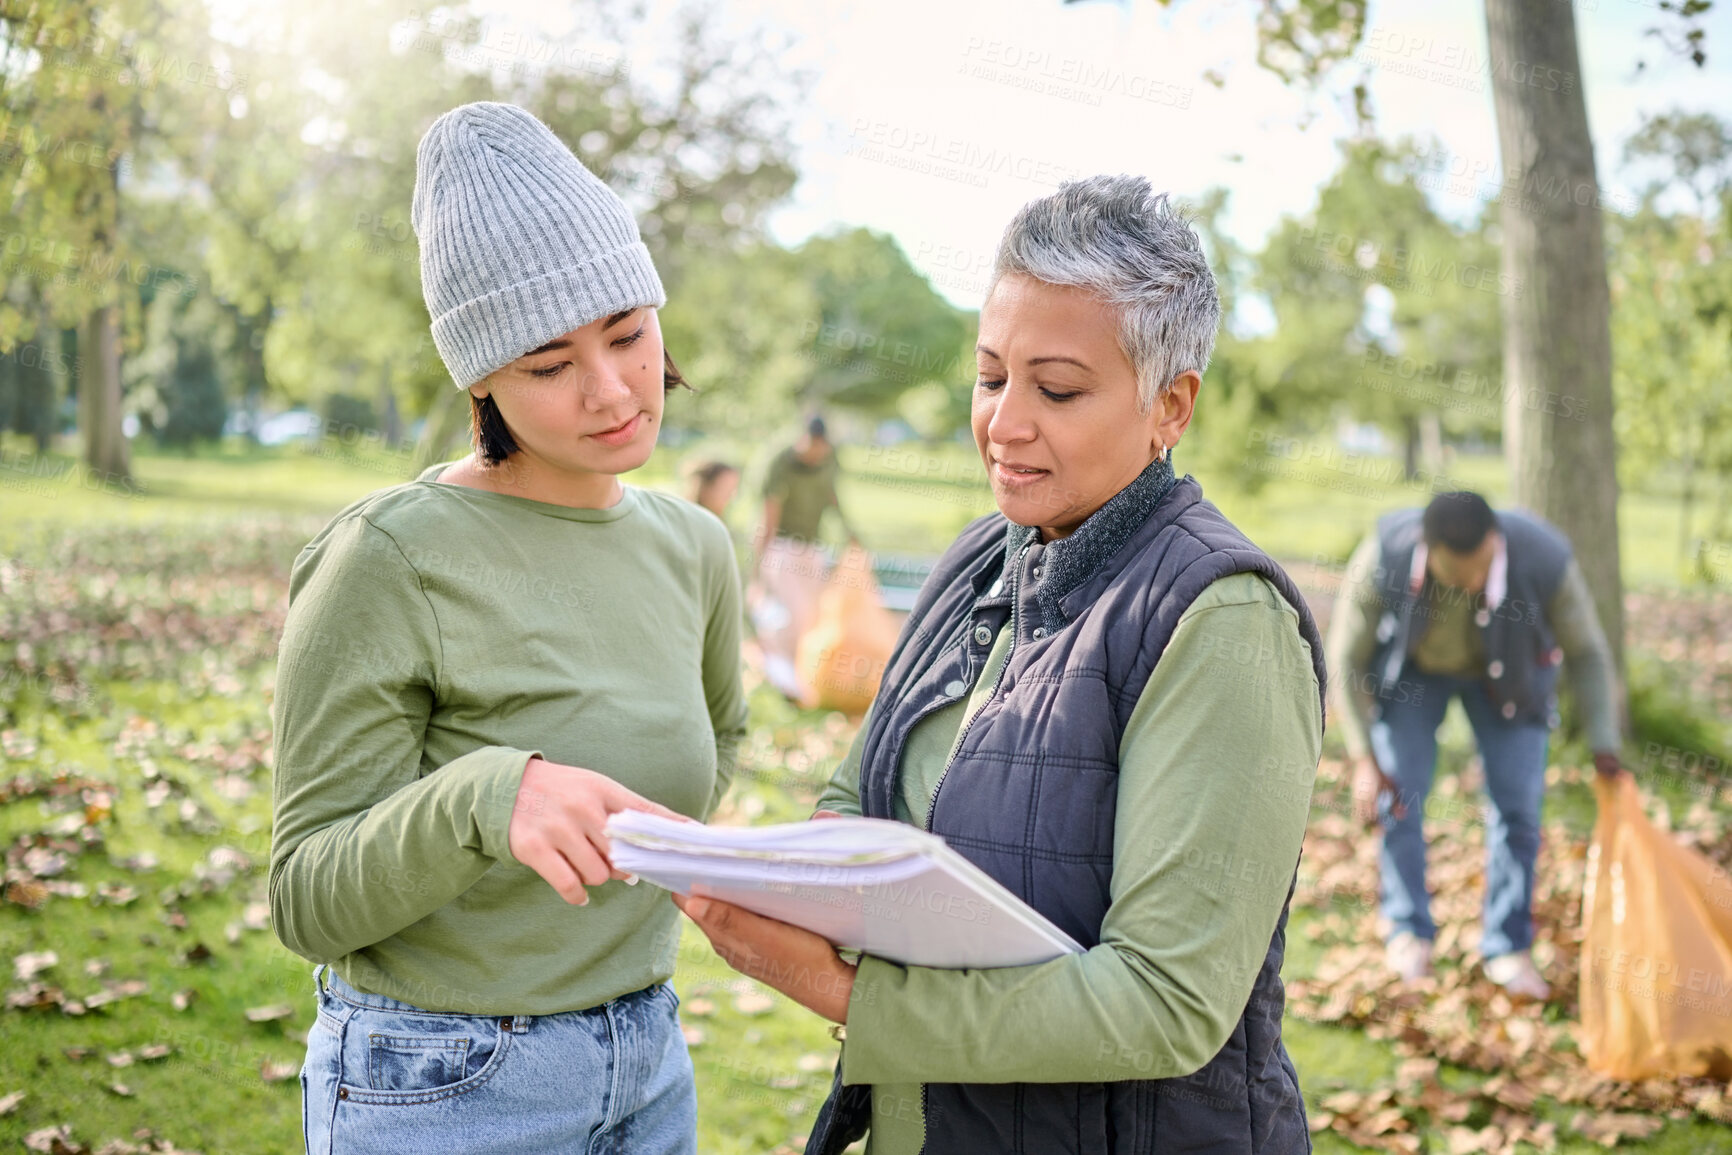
(874, 1040)
(497, 783)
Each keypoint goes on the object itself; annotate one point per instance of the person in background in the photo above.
(790, 563)
(712, 484)
(1459, 601)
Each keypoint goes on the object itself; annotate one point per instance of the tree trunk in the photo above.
(1409, 448)
(105, 447)
(1556, 308)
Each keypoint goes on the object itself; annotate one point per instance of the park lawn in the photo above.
(190, 921)
(763, 1064)
(910, 499)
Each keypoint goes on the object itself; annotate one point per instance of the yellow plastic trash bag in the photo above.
(841, 658)
(1656, 985)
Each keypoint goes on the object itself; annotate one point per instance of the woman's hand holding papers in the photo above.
(800, 964)
(557, 825)
(796, 962)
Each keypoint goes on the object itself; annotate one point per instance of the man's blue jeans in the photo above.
(1514, 756)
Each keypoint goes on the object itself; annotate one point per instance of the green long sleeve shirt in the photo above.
(438, 637)
(1451, 645)
(1215, 773)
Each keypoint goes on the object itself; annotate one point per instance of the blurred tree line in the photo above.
(208, 217)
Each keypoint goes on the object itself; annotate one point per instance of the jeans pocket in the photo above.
(407, 1059)
(416, 1062)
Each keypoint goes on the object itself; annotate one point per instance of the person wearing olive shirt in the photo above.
(790, 562)
(1460, 601)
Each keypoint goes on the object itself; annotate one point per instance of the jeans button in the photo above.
(342, 1092)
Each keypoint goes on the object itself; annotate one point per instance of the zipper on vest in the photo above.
(932, 807)
(1015, 583)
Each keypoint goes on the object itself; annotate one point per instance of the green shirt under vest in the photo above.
(1215, 773)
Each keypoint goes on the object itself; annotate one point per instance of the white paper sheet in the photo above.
(885, 888)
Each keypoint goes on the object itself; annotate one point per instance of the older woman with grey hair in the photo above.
(1108, 699)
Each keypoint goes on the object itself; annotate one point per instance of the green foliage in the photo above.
(270, 160)
(33, 377)
(1381, 307)
(1662, 719)
(346, 411)
(177, 375)
(1671, 281)
(762, 332)
(881, 327)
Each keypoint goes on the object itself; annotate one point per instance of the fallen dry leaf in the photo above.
(32, 963)
(274, 1072)
(1609, 1129)
(1457, 1016)
(55, 1141)
(754, 1003)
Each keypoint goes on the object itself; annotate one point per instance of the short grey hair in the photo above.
(1115, 237)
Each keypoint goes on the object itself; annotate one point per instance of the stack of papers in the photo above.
(885, 888)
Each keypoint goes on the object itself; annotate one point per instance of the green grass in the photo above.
(908, 499)
(762, 1069)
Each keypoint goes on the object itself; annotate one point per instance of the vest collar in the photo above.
(1072, 560)
(1497, 581)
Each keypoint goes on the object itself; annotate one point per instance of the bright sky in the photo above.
(934, 120)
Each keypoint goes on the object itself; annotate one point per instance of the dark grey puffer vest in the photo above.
(1522, 654)
(1030, 793)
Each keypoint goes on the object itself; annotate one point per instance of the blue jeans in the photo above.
(383, 1076)
(1514, 756)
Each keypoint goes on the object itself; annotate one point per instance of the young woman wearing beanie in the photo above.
(481, 665)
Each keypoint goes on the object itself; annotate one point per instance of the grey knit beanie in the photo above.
(519, 241)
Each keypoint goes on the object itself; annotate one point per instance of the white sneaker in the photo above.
(1515, 972)
(1408, 955)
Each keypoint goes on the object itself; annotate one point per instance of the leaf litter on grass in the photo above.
(1457, 1016)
